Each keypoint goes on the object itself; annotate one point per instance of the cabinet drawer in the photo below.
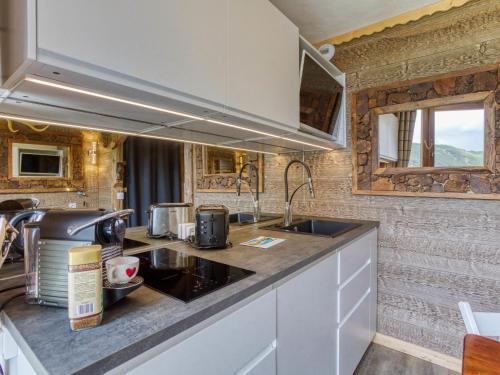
(354, 256)
(354, 338)
(351, 293)
(264, 366)
(225, 347)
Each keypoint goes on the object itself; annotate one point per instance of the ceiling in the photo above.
(322, 19)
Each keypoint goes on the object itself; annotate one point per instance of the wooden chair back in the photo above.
(481, 356)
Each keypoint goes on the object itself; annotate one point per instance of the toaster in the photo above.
(212, 227)
(164, 218)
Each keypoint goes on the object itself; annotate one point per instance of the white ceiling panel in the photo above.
(322, 19)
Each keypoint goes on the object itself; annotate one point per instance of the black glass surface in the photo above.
(36, 163)
(132, 244)
(320, 95)
(186, 277)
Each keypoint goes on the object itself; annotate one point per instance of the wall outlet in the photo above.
(120, 195)
(72, 204)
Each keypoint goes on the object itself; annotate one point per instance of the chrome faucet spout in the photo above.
(255, 200)
(288, 216)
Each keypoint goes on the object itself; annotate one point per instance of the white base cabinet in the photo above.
(306, 307)
(327, 314)
(357, 301)
(319, 322)
(13, 361)
(241, 343)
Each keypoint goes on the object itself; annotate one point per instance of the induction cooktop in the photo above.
(186, 277)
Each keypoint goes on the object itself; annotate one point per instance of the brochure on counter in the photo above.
(263, 242)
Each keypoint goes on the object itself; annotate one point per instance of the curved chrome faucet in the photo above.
(255, 201)
(288, 216)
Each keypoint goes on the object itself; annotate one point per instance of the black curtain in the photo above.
(152, 175)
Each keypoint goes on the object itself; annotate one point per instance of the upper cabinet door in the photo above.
(178, 45)
(262, 62)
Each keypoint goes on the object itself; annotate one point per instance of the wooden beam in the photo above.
(474, 196)
(429, 170)
(437, 102)
(401, 19)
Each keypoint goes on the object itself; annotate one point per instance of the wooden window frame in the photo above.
(199, 153)
(484, 99)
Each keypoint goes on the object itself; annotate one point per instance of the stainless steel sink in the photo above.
(245, 218)
(317, 227)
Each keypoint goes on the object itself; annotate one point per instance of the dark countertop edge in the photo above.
(122, 356)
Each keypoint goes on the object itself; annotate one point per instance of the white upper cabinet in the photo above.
(179, 45)
(184, 69)
(262, 62)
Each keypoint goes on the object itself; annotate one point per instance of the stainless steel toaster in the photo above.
(163, 218)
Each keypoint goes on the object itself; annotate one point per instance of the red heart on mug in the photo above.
(130, 271)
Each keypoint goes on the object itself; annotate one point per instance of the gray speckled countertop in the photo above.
(147, 318)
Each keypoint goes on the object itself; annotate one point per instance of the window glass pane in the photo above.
(415, 160)
(459, 138)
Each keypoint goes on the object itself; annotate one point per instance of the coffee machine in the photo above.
(48, 241)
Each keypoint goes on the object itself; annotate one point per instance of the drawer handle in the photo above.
(258, 359)
(348, 315)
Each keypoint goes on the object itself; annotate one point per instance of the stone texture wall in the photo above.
(433, 252)
(458, 181)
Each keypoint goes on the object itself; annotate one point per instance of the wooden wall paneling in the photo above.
(400, 19)
(464, 27)
(483, 54)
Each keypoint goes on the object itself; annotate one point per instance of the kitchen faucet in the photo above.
(288, 217)
(255, 201)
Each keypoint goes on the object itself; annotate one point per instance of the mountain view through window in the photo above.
(458, 138)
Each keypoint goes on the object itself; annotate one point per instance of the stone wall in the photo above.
(96, 181)
(225, 181)
(433, 252)
(454, 180)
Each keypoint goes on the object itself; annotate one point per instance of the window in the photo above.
(440, 136)
(458, 137)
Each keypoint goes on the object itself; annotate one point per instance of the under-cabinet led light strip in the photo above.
(109, 97)
(159, 109)
(84, 127)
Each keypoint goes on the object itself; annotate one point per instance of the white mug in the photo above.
(121, 270)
